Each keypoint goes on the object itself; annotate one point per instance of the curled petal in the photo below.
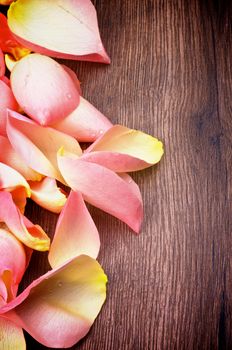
(48, 195)
(67, 28)
(2, 64)
(75, 234)
(13, 159)
(31, 235)
(10, 62)
(123, 150)
(43, 89)
(12, 336)
(38, 145)
(12, 263)
(8, 42)
(102, 188)
(10, 179)
(59, 308)
(85, 123)
(7, 101)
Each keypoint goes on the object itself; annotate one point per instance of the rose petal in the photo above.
(59, 308)
(12, 336)
(14, 182)
(75, 234)
(8, 42)
(48, 195)
(67, 28)
(85, 123)
(10, 62)
(43, 89)
(38, 145)
(2, 64)
(74, 78)
(10, 179)
(7, 101)
(123, 150)
(102, 188)
(31, 235)
(13, 159)
(6, 2)
(12, 262)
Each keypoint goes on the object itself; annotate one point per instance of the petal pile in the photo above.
(43, 120)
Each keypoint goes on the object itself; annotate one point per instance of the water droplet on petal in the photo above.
(69, 96)
(101, 132)
(59, 284)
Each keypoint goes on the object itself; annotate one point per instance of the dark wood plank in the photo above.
(170, 287)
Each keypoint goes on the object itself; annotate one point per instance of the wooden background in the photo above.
(171, 286)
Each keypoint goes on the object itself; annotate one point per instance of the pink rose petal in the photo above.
(14, 160)
(124, 150)
(102, 188)
(2, 64)
(38, 145)
(59, 308)
(85, 123)
(75, 234)
(67, 28)
(43, 89)
(48, 195)
(12, 263)
(31, 235)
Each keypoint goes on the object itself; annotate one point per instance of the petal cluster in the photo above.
(43, 120)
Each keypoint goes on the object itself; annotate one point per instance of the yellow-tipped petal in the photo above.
(10, 62)
(11, 336)
(122, 150)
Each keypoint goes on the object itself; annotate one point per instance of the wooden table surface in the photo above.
(171, 76)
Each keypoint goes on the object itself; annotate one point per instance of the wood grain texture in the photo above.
(171, 286)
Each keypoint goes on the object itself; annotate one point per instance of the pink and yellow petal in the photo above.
(38, 145)
(13, 159)
(59, 308)
(75, 234)
(11, 179)
(123, 150)
(12, 262)
(61, 25)
(43, 89)
(85, 123)
(11, 336)
(102, 188)
(48, 195)
(31, 235)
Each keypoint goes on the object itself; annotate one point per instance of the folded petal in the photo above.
(85, 123)
(123, 150)
(43, 89)
(102, 188)
(14, 182)
(59, 308)
(10, 62)
(48, 195)
(12, 336)
(75, 234)
(13, 159)
(12, 262)
(67, 28)
(31, 235)
(2, 64)
(7, 100)
(8, 42)
(38, 145)
(10, 179)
